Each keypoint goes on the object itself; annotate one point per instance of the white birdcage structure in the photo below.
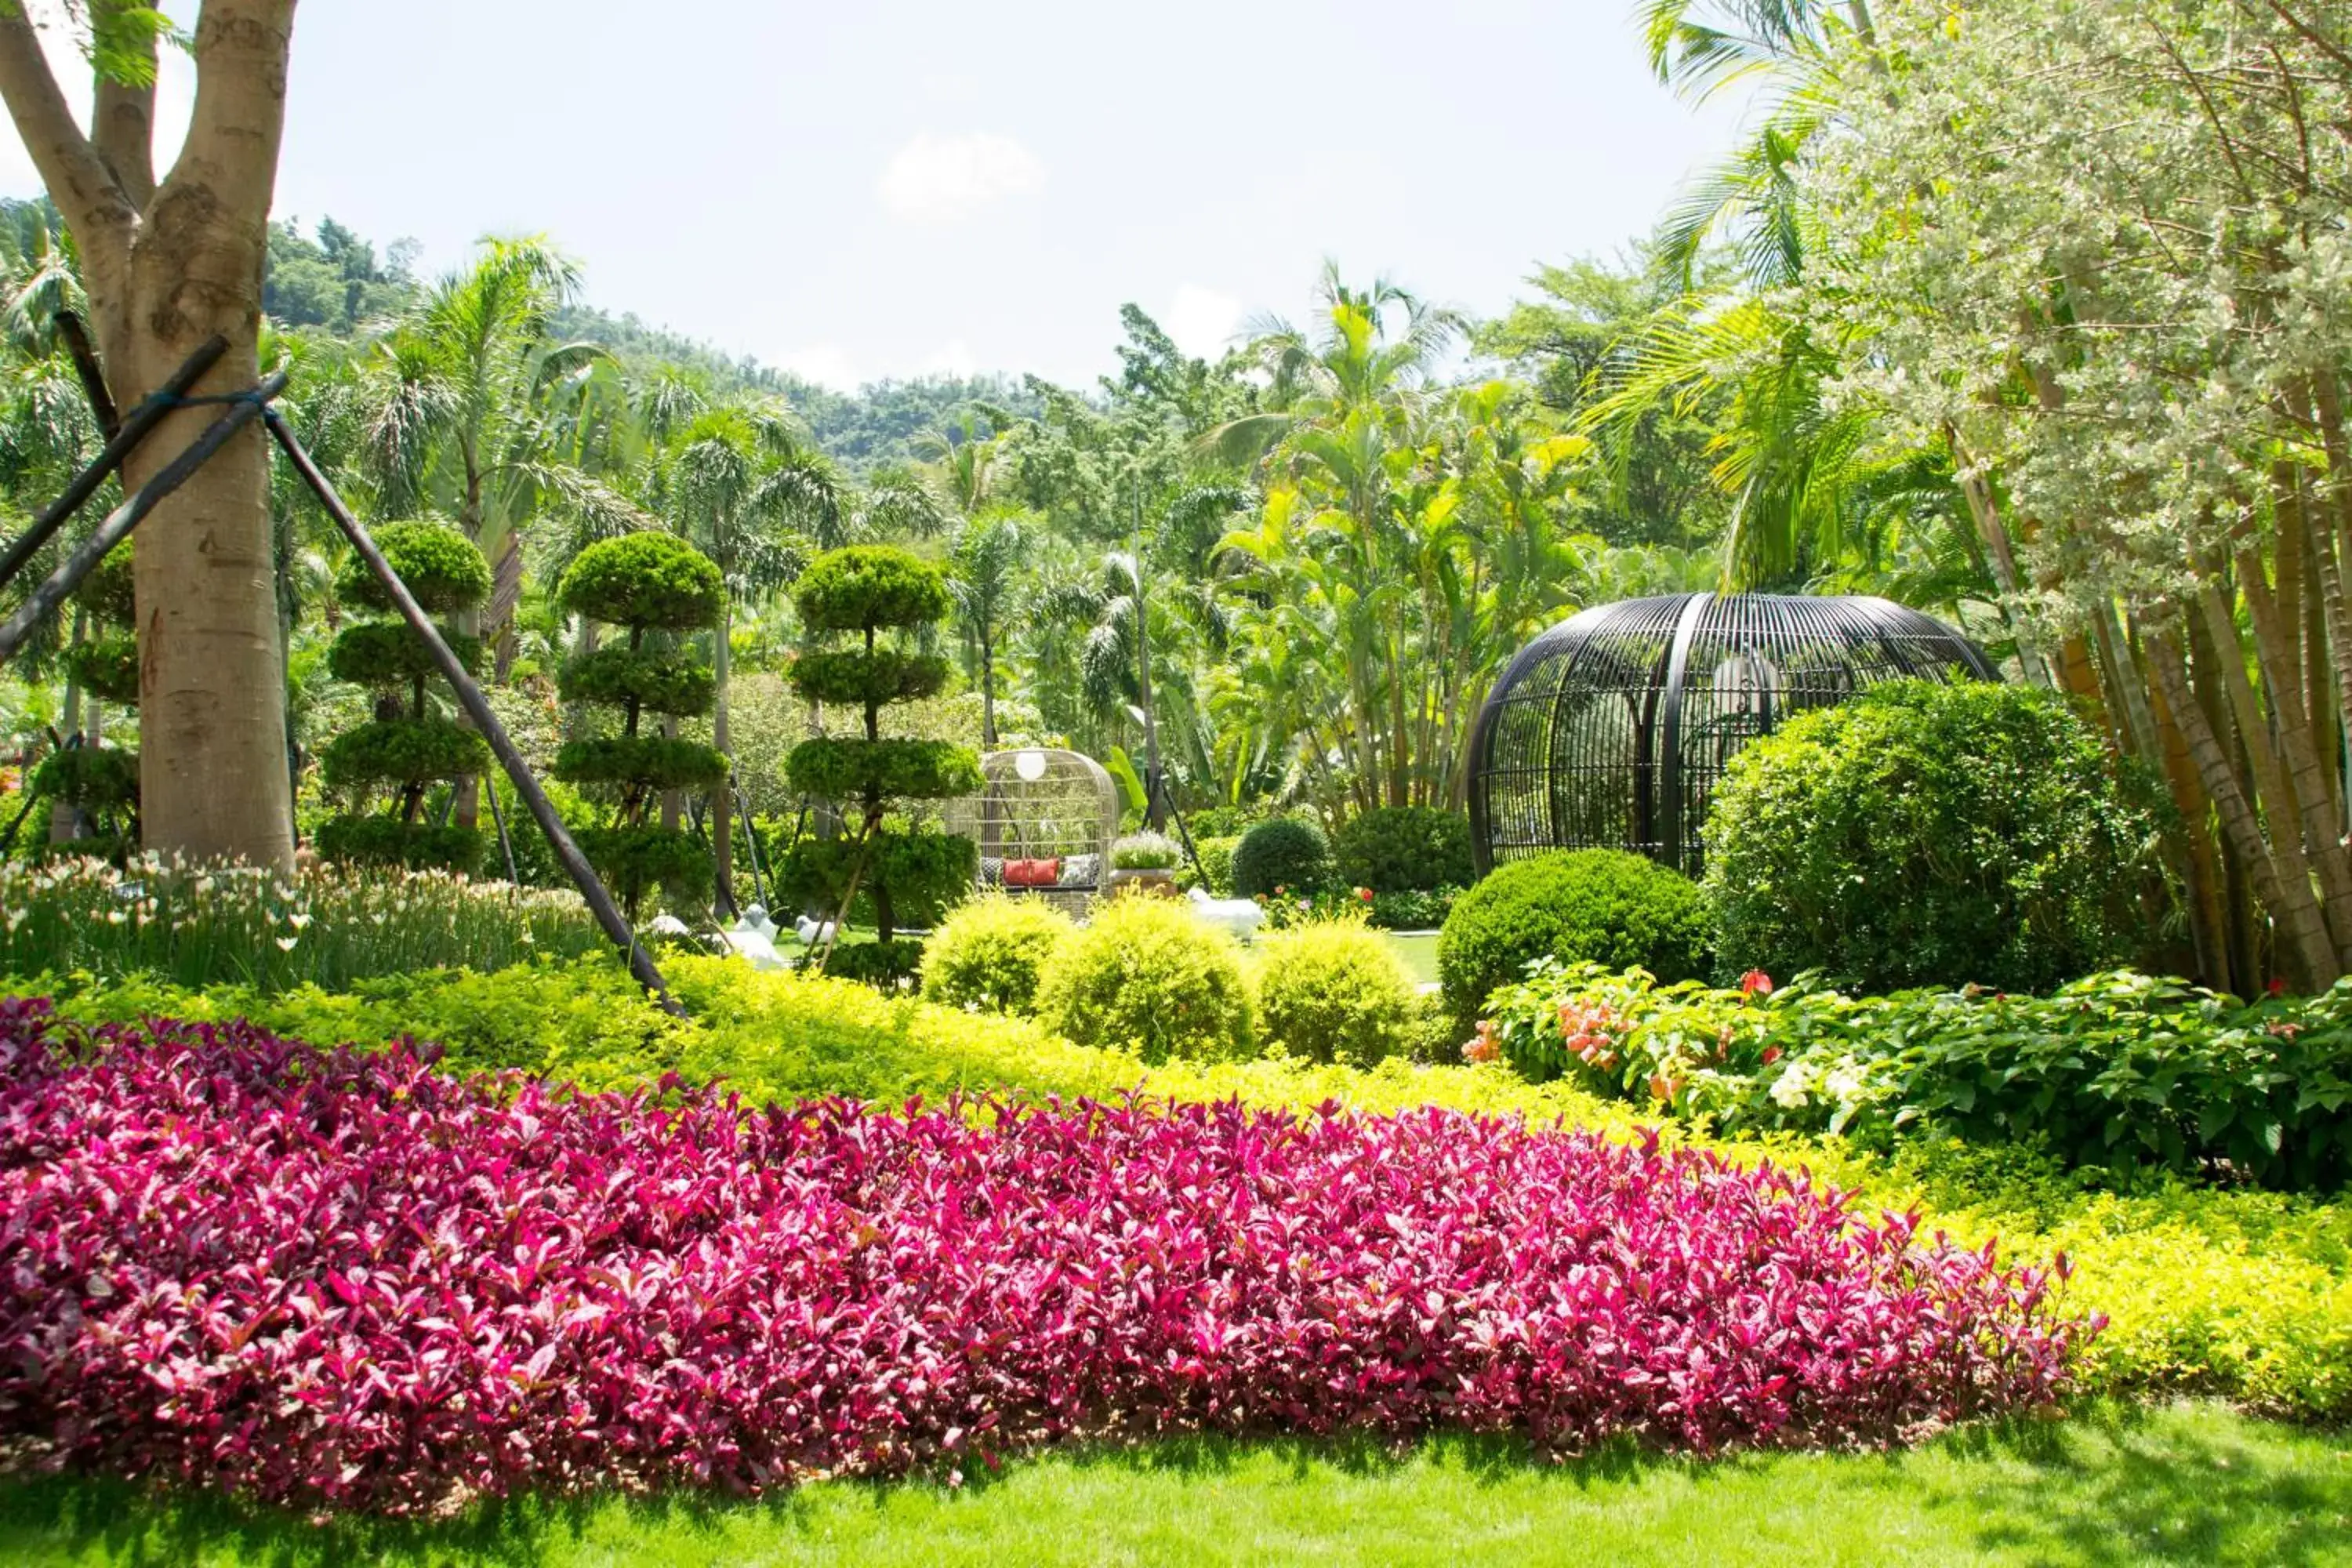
(1046, 817)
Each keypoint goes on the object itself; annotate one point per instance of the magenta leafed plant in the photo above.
(349, 1277)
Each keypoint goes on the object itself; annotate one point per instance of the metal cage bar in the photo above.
(1611, 729)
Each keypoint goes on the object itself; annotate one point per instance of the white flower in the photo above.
(1788, 1089)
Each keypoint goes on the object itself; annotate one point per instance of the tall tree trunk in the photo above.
(2281, 882)
(987, 688)
(2281, 657)
(167, 266)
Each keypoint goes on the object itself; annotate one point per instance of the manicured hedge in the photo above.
(1598, 906)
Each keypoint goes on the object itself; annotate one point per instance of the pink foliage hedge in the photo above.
(349, 1277)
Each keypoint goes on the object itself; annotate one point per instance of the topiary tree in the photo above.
(1405, 849)
(407, 749)
(903, 871)
(1285, 855)
(654, 586)
(1929, 835)
(100, 786)
(1595, 906)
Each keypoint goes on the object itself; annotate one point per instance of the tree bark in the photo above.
(2281, 883)
(167, 266)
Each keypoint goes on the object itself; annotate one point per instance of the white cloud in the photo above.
(827, 365)
(945, 179)
(1201, 320)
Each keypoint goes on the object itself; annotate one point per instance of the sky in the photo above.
(899, 187)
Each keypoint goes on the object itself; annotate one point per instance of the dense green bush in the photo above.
(1217, 863)
(895, 964)
(1286, 856)
(925, 874)
(1597, 906)
(857, 678)
(992, 952)
(108, 592)
(107, 666)
(98, 779)
(2116, 1069)
(1405, 849)
(645, 582)
(1930, 834)
(658, 680)
(379, 840)
(833, 768)
(651, 761)
(1335, 992)
(870, 585)
(401, 752)
(1414, 911)
(1146, 973)
(388, 656)
(444, 571)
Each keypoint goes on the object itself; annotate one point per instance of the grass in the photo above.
(1419, 951)
(2115, 1484)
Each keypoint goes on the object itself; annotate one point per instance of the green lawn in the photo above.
(2184, 1484)
(1419, 954)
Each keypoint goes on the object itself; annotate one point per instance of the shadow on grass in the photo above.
(2111, 1485)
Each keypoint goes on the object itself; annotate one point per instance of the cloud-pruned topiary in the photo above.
(407, 749)
(653, 584)
(889, 867)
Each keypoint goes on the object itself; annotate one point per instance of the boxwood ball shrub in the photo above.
(399, 757)
(657, 587)
(992, 952)
(1335, 992)
(1928, 835)
(1598, 906)
(1146, 973)
(1285, 854)
(1405, 849)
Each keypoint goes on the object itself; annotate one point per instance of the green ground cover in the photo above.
(2117, 1485)
(1419, 951)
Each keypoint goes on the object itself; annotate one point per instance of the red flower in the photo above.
(1365, 894)
(2277, 986)
(1771, 1055)
(1756, 983)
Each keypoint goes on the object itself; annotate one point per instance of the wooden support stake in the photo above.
(118, 446)
(126, 517)
(93, 378)
(477, 707)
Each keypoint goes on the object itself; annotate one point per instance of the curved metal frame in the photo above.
(1556, 762)
(1072, 807)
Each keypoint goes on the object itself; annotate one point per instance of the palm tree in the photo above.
(747, 488)
(984, 573)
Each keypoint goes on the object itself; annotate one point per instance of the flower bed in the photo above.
(347, 1277)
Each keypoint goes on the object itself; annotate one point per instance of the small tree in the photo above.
(101, 786)
(658, 583)
(905, 871)
(406, 748)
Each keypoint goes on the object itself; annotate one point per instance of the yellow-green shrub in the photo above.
(1334, 990)
(991, 954)
(1149, 972)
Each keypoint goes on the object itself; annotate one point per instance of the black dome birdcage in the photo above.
(1609, 730)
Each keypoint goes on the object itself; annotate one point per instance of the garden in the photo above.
(1276, 959)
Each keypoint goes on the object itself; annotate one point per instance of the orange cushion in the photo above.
(1032, 873)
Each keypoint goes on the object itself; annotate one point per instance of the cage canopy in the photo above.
(1609, 730)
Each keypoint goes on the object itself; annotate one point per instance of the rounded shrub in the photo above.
(1405, 849)
(992, 952)
(855, 676)
(658, 680)
(380, 840)
(442, 568)
(868, 585)
(1146, 973)
(635, 858)
(1285, 854)
(107, 668)
(1929, 835)
(106, 593)
(1597, 906)
(1335, 992)
(96, 779)
(387, 656)
(646, 582)
(647, 761)
(852, 768)
(401, 752)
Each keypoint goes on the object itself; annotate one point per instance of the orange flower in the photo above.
(1756, 983)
